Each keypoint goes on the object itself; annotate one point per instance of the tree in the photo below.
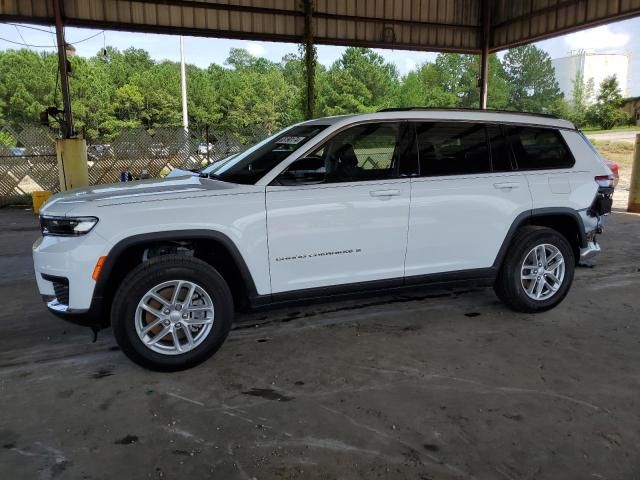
(27, 82)
(241, 59)
(359, 81)
(531, 77)
(581, 97)
(252, 93)
(343, 93)
(91, 95)
(607, 112)
(425, 88)
(292, 68)
(128, 103)
(118, 89)
(460, 75)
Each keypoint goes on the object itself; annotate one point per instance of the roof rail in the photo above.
(457, 109)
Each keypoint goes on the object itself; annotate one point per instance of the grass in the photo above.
(620, 152)
(626, 128)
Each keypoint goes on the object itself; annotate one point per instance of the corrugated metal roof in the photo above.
(518, 22)
(439, 25)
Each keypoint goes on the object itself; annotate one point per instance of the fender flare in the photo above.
(525, 217)
(169, 235)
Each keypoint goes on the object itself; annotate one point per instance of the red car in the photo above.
(615, 169)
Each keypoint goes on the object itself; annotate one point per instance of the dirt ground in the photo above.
(622, 154)
(627, 136)
(437, 385)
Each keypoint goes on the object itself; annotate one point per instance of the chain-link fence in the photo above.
(28, 159)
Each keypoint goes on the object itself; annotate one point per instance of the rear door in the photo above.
(464, 199)
(350, 224)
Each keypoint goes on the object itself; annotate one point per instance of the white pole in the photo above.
(183, 80)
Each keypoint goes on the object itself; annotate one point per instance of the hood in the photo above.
(178, 172)
(131, 192)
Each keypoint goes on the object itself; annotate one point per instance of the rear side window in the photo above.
(538, 148)
(452, 148)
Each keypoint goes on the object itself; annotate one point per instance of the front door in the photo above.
(348, 224)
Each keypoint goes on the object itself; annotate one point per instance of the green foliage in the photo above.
(118, 89)
(26, 84)
(607, 112)
(7, 139)
(360, 81)
(529, 72)
(582, 95)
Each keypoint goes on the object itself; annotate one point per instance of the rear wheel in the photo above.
(172, 313)
(537, 271)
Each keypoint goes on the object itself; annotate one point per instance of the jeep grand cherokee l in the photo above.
(333, 206)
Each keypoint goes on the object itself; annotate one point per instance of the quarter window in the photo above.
(452, 148)
(538, 148)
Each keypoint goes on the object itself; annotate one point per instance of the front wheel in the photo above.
(172, 313)
(537, 271)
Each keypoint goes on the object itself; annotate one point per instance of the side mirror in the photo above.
(305, 170)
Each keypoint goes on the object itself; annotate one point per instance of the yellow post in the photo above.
(634, 188)
(38, 199)
(72, 163)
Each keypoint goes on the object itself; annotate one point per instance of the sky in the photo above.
(618, 37)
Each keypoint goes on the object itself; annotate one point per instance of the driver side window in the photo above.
(363, 152)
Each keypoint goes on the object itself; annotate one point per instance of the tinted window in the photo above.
(363, 152)
(537, 148)
(500, 153)
(450, 148)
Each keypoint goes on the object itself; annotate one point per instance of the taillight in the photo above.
(606, 181)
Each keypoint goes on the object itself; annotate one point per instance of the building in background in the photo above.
(632, 107)
(596, 66)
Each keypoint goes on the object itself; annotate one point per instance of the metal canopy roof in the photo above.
(438, 25)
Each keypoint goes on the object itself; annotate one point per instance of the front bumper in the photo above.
(63, 268)
(91, 317)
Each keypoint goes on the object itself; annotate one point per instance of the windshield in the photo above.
(217, 164)
(251, 165)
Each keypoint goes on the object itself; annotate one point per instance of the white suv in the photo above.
(376, 202)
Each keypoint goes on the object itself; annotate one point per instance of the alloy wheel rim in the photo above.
(542, 273)
(174, 317)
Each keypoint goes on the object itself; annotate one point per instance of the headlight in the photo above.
(67, 226)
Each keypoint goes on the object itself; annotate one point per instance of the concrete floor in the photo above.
(438, 386)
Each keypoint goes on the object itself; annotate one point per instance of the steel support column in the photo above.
(67, 127)
(484, 56)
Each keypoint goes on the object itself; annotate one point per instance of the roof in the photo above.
(437, 25)
(450, 115)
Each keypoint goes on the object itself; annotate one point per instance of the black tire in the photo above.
(508, 285)
(151, 273)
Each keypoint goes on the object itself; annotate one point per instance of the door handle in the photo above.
(384, 193)
(506, 185)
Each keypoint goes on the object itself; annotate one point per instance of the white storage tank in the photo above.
(597, 66)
